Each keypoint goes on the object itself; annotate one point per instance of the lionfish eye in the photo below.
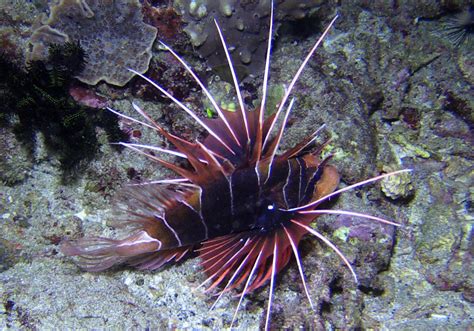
(269, 216)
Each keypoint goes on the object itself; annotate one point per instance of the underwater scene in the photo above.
(247, 165)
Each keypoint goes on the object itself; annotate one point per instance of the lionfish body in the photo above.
(243, 207)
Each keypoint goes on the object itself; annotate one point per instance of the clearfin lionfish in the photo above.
(242, 206)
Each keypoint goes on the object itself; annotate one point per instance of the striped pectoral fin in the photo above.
(222, 256)
(264, 269)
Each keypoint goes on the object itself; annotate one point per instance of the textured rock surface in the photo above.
(391, 93)
(15, 162)
(244, 25)
(112, 34)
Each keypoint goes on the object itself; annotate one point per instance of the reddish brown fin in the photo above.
(179, 170)
(207, 163)
(229, 260)
(155, 260)
(143, 207)
(238, 150)
(153, 241)
(244, 154)
(304, 145)
(94, 254)
(328, 182)
(195, 153)
(97, 254)
(145, 201)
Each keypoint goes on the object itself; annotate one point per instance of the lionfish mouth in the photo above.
(243, 206)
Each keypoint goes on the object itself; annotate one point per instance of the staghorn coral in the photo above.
(103, 29)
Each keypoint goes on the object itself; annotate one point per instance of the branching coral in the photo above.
(112, 34)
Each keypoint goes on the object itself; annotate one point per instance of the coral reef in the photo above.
(112, 34)
(390, 93)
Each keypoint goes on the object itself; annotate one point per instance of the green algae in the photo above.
(410, 147)
(342, 233)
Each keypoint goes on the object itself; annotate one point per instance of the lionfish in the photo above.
(242, 206)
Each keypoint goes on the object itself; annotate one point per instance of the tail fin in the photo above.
(98, 254)
(94, 254)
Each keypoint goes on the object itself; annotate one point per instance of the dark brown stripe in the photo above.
(162, 219)
(314, 177)
(216, 206)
